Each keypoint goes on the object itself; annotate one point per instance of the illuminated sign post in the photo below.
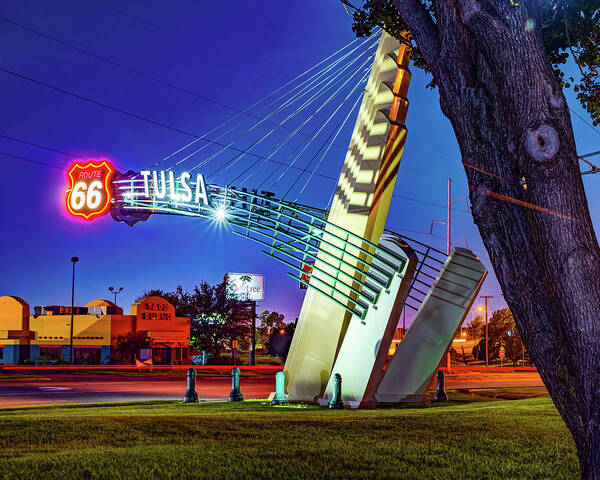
(247, 288)
(90, 189)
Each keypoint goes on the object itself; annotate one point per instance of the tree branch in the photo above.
(422, 28)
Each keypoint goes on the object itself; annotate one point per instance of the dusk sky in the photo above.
(233, 53)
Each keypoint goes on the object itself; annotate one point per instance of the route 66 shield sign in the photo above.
(89, 188)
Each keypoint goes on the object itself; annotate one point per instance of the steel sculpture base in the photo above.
(360, 205)
(366, 344)
(441, 314)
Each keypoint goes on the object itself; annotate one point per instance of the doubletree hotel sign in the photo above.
(94, 186)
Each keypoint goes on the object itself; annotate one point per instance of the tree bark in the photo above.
(513, 127)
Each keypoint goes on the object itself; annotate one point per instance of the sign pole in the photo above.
(73, 261)
(253, 340)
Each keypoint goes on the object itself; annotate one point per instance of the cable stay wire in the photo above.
(330, 82)
(303, 87)
(313, 135)
(159, 80)
(299, 149)
(340, 127)
(305, 90)
(359, 84)
(286, 94)
(328, 86)
(359, 70)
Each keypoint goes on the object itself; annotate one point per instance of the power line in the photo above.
(585, 121)
(124, 112)
(151, 77)
(50, 149)
(37, 162)
(328, 177)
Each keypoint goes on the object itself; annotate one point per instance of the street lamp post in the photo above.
(115, 292)
(252, 359)
(74, 260)
(486, 328)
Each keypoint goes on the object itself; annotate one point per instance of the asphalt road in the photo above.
(41, 388)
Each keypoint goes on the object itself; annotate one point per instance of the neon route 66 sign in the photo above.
(90, 188)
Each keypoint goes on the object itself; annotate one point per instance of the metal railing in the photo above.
(323, 256)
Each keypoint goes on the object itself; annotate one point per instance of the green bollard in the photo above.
(336, 400)
(235, 395)
(279, 398)
(190, 395)
(440, 394)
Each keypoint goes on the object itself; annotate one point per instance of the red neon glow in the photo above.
(87, 174)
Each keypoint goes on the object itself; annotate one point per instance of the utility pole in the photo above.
(486, 327)
(448, 221)
(449, 218)
(74, 260)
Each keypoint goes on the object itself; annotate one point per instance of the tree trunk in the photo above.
(512, 123)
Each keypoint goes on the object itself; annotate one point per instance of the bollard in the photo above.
(190, 395)
(336, 400)
(279, 398)
(440, 394)
(235, 395)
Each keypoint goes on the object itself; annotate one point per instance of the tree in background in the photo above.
(498, 66)
(129, 344)
(280, 340)
(475, 328)
(268, 322)
(209, 309)
(502, 332)
(179, 298)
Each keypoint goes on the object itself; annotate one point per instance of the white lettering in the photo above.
(162, 184)
(201, 190)
(173, 194)
(145, 174)
(162, 192)
(187, 196)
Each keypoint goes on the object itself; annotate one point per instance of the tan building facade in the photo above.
(102, 334)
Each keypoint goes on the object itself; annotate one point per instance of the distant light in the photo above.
(480, 308)
(220, 213)
(282, 331)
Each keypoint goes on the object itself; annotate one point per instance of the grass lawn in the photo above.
(466, 439)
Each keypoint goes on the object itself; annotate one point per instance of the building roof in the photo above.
(7, 298)
(101, 303)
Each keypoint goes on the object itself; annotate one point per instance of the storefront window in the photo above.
(50, 353)
(88, 356)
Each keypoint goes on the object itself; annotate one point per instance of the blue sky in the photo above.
(232, 52)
